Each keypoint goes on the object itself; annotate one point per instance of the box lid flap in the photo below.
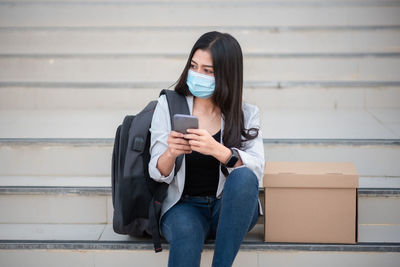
(310, 174)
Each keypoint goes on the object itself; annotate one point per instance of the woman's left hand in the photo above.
(201, 141)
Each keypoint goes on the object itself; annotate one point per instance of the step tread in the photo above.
(223, 15)
(56, 183)
(284, 3)
(51, 96)
(117, 69)
(84, 232)
(253, 40)
(101, 236)
(387, 188)
(275, 123)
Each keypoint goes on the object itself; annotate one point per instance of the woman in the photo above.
(215, 192)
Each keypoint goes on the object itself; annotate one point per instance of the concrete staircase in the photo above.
(325, 74)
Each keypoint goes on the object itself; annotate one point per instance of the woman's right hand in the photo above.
(177, 145)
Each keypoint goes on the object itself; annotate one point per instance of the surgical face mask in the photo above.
(200, 85)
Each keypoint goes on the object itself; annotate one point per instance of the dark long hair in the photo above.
(227, 61)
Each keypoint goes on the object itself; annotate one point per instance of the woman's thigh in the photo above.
(184, 222)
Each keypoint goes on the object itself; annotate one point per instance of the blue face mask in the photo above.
(200, 85)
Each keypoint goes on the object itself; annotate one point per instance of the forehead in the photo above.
(202, 57)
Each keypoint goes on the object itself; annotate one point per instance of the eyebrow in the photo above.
(204, 65)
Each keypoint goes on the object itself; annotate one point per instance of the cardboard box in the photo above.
(312, 202)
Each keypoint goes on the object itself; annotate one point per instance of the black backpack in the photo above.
(136, 197)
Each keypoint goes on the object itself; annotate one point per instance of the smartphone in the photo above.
(183, 122)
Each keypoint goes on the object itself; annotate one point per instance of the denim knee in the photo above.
(242, 179)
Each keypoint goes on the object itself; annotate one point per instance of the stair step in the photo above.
(275, 123)
(99, 40)
(16, 183)
(191, 14)
(82, 140)
(97, 245)
(167, 68)
(305, 96)
(126, 254)
(90, 158)
(88, 232)
(102, 233)
(389, 189)
(378, 208)
(97, 181)
(23, 231)
(226, 2)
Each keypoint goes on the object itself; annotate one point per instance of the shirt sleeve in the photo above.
(252, 153)
(160, 129)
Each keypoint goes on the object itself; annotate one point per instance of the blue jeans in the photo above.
(192, 220)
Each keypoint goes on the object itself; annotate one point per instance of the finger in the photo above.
(174, 137)
(179, 141)
(191, 136)
(176, 134)
(194, 143)
(181, 147)
(194, 131)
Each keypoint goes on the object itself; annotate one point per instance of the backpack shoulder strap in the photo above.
(177, 104)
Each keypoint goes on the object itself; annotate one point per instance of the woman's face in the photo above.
(202, 62)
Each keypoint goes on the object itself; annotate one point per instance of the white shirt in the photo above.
(252, 154)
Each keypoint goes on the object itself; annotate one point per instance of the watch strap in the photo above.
(232, 159)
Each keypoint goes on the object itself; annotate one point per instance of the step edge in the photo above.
(271, 28)
(110, 141)
(145, 245)
(83, 55)
(106, 191)
(385, 3)
(163, 84)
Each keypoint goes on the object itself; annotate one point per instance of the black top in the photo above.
(202, 173)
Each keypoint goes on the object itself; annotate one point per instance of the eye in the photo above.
(192, 66)
(208, 71)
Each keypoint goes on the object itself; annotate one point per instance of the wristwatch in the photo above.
(232, 159)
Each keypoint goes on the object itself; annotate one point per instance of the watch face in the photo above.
(233, 159)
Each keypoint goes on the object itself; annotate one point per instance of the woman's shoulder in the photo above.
(249, 109)
(162, 100)
(251, 115)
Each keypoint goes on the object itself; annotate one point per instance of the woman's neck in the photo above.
(205, 106)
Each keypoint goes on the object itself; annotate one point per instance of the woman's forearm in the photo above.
(165, 163)
(222, 153)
